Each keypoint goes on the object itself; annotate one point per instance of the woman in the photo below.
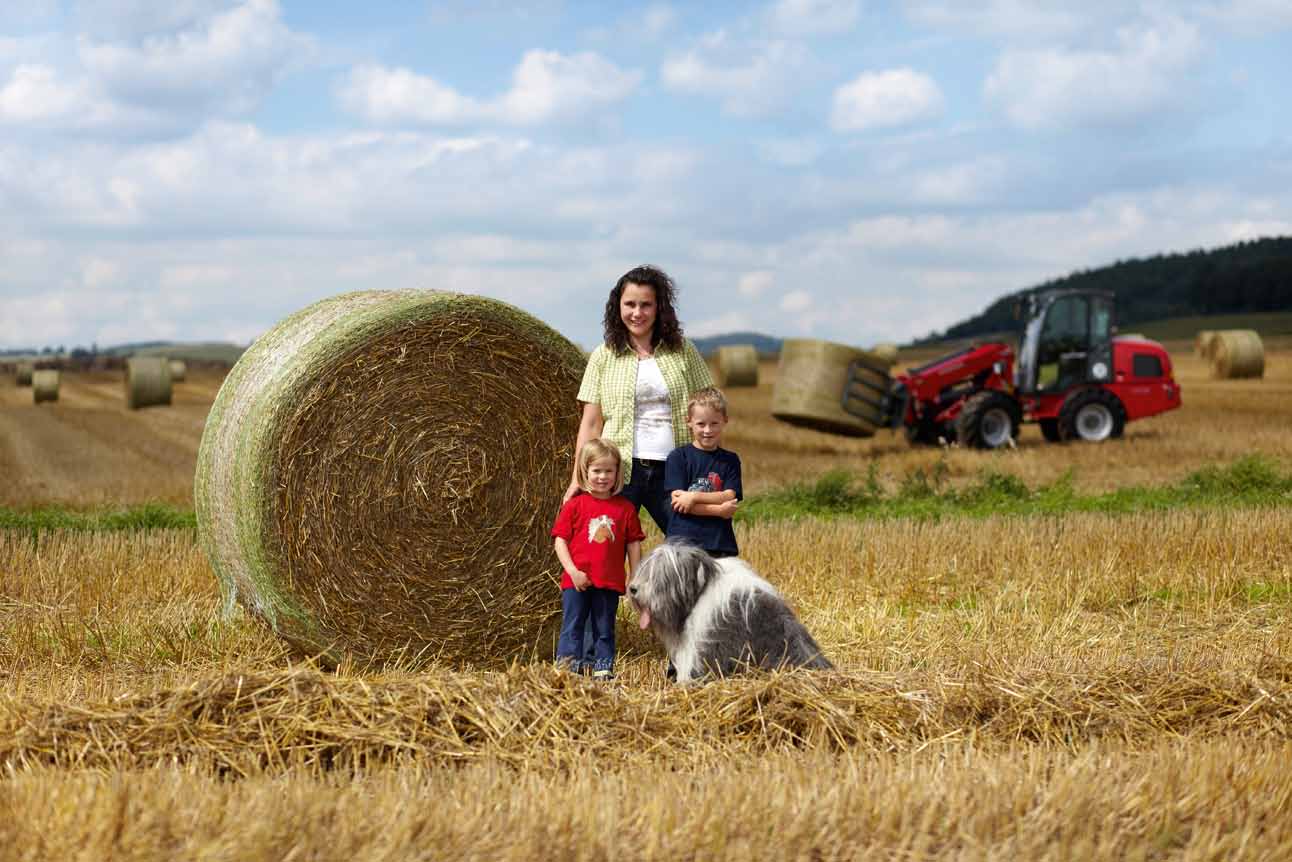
(636, 384)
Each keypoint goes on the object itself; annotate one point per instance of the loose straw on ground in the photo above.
(539, 717)
(379, 474)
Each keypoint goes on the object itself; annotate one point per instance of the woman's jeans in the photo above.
(644, 489)
(594, 608)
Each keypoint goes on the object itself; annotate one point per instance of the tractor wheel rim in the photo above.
(994, 428)
(1094, 423)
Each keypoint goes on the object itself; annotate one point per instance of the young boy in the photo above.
(704, 479)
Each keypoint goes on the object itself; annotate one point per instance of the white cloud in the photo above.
(223, 63)
(878, 100)
(36, 94)
(736, 321)
(546, 86)
(657, 20)
(814, 17)
(753, 284)
(139, 19)
(750, 81)
(1248, 229)
(228, 61)
(188, 276)
(791, 152)
(1255, 17)
(1146, 73)
(796, 301)
(98, 272)
(960, 184)
(383, 95)
(1022, 19)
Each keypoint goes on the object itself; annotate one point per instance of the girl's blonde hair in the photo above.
(594, 450)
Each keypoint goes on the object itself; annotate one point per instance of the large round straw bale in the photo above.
(178, 370)
(737, 365)
(1204, 343)
(25, 371)
(44, 385)
(885, 353)
(1237, 353)
(147, 381)
(379, 474)
(810, 383)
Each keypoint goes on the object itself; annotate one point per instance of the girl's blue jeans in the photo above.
(644, 490)
(594, 608)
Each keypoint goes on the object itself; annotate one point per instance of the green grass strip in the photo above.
(1252, 481)
(149, 516)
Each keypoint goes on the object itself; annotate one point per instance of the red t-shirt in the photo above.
(598, 533)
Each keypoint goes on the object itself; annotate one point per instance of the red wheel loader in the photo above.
(1072, 375)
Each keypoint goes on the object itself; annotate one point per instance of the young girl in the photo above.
(592, 533)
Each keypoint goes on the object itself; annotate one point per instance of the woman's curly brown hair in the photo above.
(667, 331)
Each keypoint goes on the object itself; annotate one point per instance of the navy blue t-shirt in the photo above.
(690, 468)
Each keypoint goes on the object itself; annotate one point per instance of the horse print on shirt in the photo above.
(601, 529)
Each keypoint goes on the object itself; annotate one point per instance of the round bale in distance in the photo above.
(25, 371)
(885, 353)
(147, 381)
(178, 370)
(379, 474)
(44, 385)
(810, 383)
(1204, 343)
(1237, 353)
(737, 365)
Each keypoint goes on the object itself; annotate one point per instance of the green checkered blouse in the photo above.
(611, 381)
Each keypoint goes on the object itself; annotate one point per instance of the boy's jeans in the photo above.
(595, 607)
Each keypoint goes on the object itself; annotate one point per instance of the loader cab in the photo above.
(1067, 340)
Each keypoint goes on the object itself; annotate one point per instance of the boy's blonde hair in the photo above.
(709, 396)
(594, 450)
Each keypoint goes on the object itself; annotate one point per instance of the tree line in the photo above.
(1251, 276)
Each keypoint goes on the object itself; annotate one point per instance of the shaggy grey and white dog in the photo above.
(717, 616)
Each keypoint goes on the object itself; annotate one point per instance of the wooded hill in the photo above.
(1254, 276)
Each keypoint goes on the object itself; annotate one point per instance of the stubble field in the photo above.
(1059, 686)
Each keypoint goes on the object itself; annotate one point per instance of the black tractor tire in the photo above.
(989, 420)
(1050, 430)
(1091, 416)
(926, 433)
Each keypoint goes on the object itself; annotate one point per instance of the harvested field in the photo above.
(88, 449)
(1064, 686)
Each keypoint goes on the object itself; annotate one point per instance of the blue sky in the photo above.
(842, 169)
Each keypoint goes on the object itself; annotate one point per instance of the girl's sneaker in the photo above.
(603, 675)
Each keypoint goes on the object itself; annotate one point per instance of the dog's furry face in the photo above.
(667, 585)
